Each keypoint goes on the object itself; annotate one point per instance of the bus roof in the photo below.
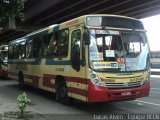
(43, 30)
(111, 15)
(82, 19)
(67, 24)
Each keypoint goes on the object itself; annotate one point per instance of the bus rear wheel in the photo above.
(21, 81)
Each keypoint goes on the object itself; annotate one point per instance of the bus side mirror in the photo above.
(86, 37)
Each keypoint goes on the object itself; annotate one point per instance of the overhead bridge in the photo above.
(41, 13)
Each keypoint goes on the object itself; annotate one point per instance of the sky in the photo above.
(152, 25)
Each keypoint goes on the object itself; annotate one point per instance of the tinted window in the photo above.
(53, 46)
(121, 23)
(62, 44)
(45, 44)
(37, 47)
(76, 38)
(16, 51)
(10, 51)
(118, 22)
(22, 50)
(29, 49)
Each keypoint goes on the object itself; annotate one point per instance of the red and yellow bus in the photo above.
(92, 58)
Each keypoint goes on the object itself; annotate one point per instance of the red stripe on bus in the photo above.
(35, 80)
(48, 77)
(47, 80)
(69, 79)
(77, 91)
(76, 79)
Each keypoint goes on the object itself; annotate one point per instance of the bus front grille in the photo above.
(123, 85)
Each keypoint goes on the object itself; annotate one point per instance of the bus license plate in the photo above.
(125, 93)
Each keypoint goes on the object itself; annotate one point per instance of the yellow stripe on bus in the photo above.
(76, 96)
(28, 80)
(77, 85)
(13, 77)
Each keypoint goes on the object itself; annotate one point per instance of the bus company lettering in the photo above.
(60, 69)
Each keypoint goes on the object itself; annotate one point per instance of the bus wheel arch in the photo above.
(61, 90)
(21, 80)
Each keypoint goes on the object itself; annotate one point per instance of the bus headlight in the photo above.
(95, 79)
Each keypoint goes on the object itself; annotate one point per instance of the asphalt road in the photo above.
(44, 103)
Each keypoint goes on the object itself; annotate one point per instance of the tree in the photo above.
(10, 8)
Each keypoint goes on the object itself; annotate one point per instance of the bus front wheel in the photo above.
(62, 93)
(21, 81)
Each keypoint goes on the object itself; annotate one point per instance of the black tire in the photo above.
(62, 93)
(21, 81)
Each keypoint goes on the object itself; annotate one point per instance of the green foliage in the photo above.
(22, 102)
(11, 8)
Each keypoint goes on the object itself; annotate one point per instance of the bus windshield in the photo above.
(112, 50)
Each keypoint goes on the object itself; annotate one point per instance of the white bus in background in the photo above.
(155, 59)
(3, 60)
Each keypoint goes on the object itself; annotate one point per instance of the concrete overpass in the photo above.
(40, 13)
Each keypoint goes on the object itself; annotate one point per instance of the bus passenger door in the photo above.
(75, 49)
(78, 69)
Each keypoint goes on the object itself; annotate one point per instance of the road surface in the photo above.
(44, 103)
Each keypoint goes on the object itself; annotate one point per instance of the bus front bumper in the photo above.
(103, 94)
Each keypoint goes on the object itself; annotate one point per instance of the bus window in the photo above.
(133, 44)
(75, 49)
(29, 49)
(52, 50)
(76, 37)
(99, 43)
(36, 47)
(10, 51)
(16, 51)
(62, 45)
(22, 50)
(45, 44)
